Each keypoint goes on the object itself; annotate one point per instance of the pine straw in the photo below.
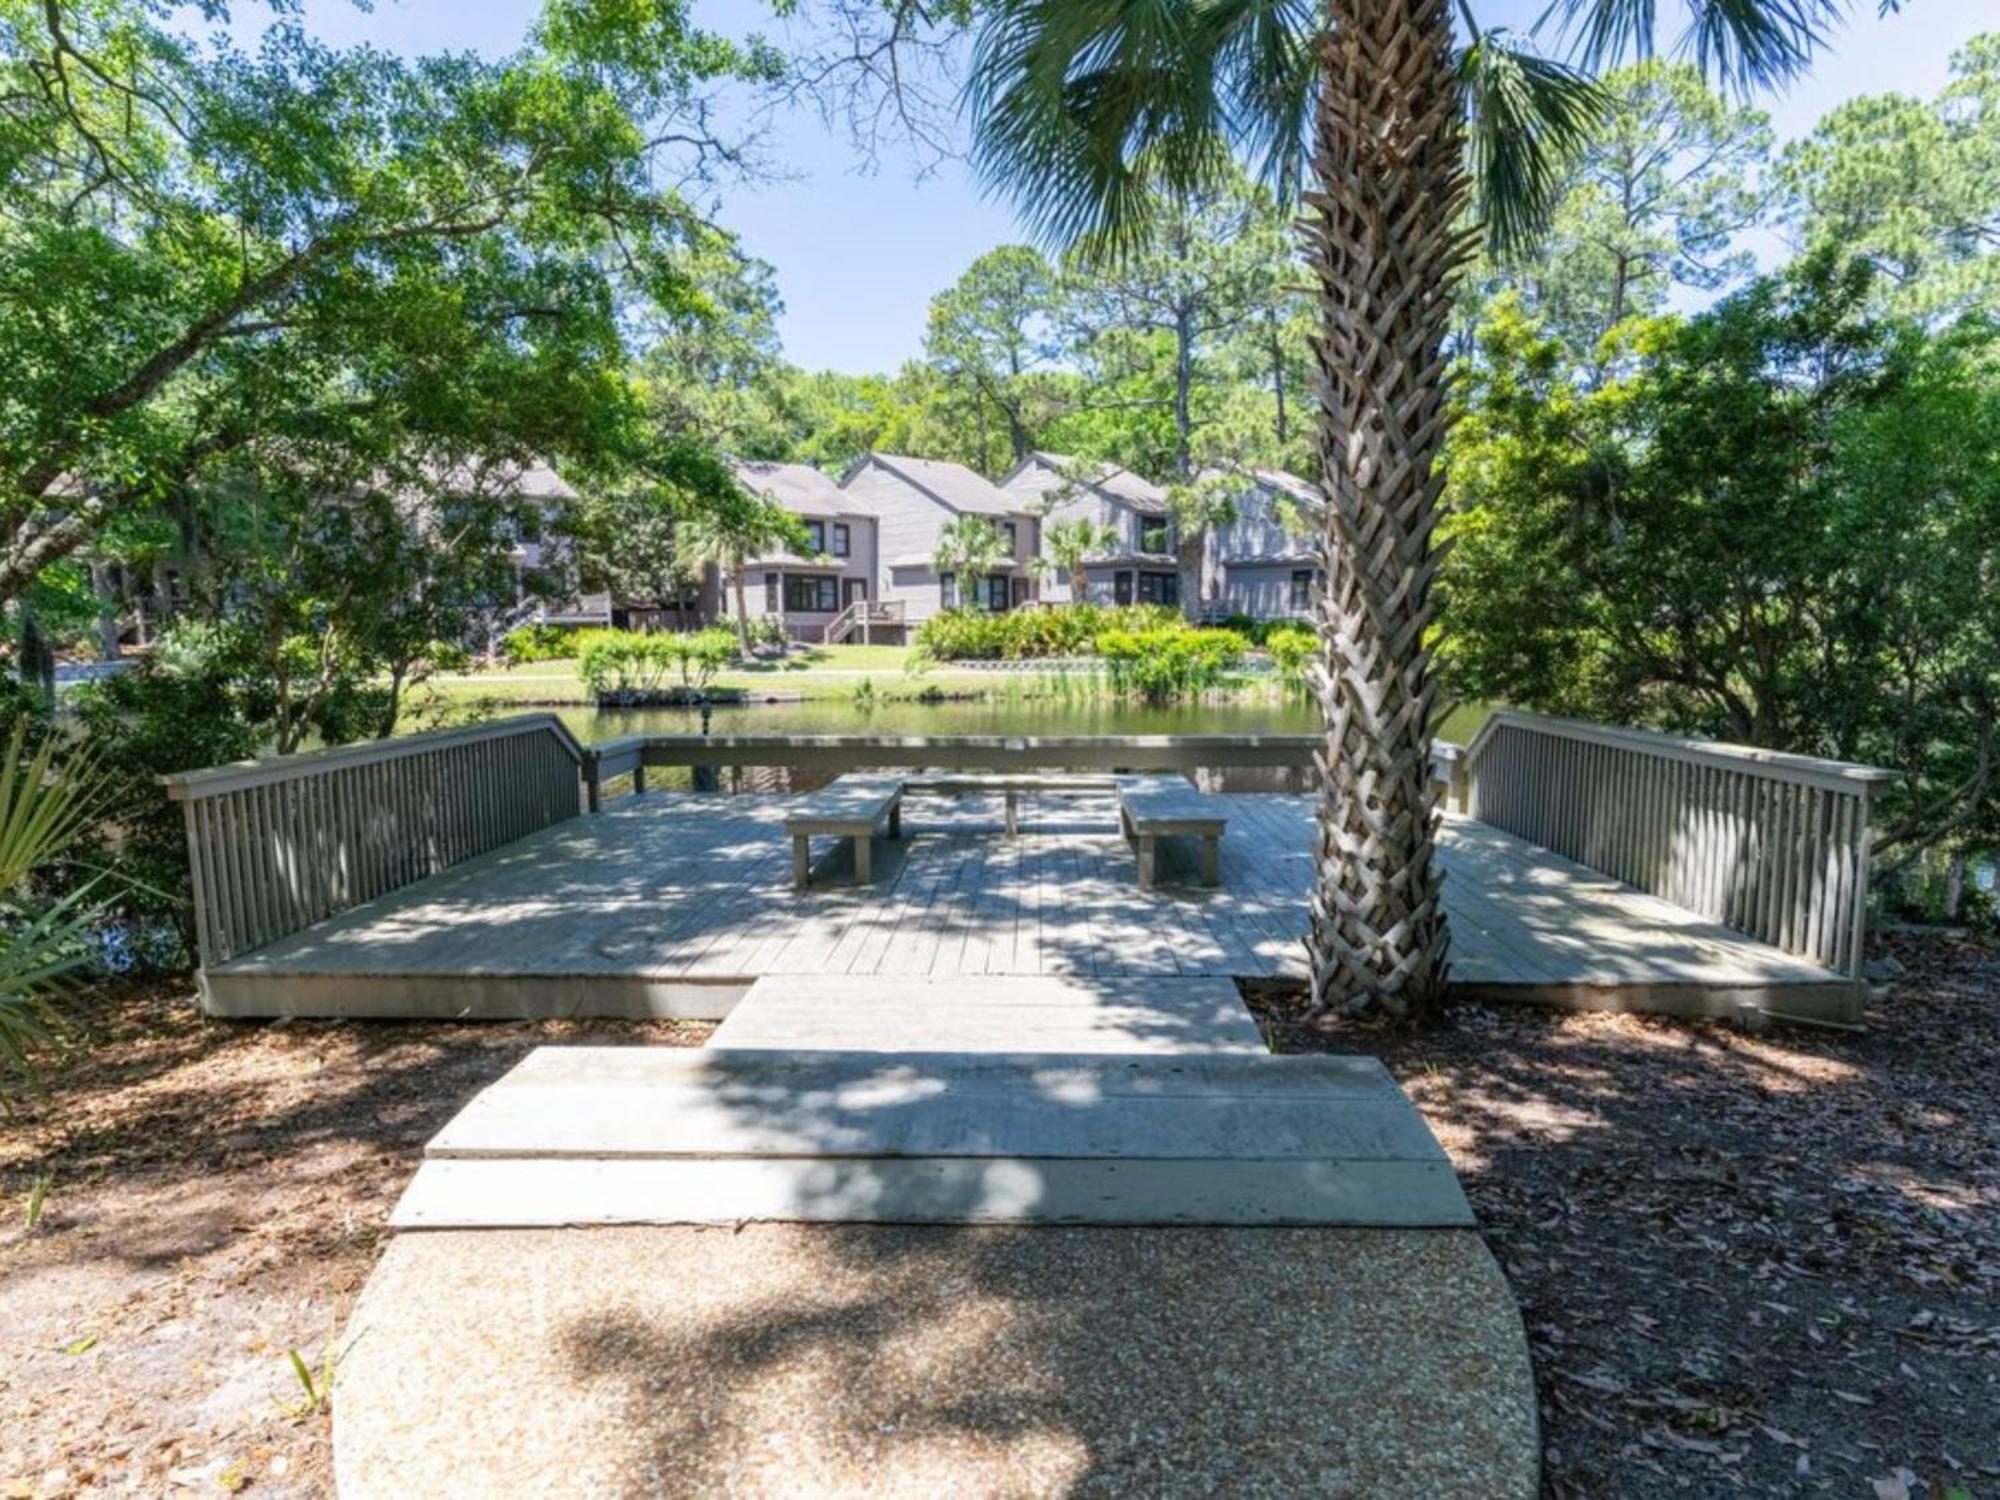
(218, 1194)
(1763, 1263)
(1757, 1263)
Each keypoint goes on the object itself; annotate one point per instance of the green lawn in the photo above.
(822, 672)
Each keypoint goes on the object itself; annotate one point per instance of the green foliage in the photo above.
(969, 548)
(1779, 525)
(47, 806)
(1292, 647)
(532, 643)
(991, 337)
(178, 711)
(1652, 197)
(332, 259)
(1170, 663)
(1031, 634)
(1913, 186)
(629, 666)
(37, 1201)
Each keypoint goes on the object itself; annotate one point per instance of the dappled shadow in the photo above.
(229, 1128)
(675, 887)
(1713, 1233)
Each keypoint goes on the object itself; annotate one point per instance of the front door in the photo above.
(852, 591)
(1020, 592)
(1121, 587)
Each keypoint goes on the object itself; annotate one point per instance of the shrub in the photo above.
(629, 664)
(1291, 647)
(1170, 662)
(1033, 634)
(529, 643)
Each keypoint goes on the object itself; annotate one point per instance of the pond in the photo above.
(1262, 714)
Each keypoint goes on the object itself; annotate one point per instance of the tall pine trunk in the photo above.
(1384, 243)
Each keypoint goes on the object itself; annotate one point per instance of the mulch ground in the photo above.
(1761, 1264)
(217, 1194)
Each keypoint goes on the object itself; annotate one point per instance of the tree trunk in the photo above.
(1188, 558)
(1384, 246)
(1183, 388)
(1079, 584)
(1954, 886)
(742, 610)
(1278, 379)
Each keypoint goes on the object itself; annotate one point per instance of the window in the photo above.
(771, 593)
(1011, 535)
(947, 591)
(1121, 587)
(811, 593)
(1160, 588)
(1302, 582)
(1152, 535)
(996, 592)
(842, 539)
(815, 538)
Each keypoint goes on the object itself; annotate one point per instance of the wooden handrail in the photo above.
(277, 845)
(1805, 770)
(188, 785)
(1773, 845)
(833, 752)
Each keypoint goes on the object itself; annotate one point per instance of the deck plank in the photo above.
(696, 889)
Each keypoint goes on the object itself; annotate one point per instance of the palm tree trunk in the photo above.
(1384, 247)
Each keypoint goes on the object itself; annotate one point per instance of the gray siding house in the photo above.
(914, 499)
(1266, 563)
(1140, 567)
(822, 594)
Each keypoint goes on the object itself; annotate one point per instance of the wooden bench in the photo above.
(851, 807)
(1168, 806)
(1012, 786)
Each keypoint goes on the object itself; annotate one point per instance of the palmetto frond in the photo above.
(44, 809)
(1745, 43)
(1526, 116)
(1089, 114)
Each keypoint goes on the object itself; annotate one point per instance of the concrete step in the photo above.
(655, 1135)
(981, 1013)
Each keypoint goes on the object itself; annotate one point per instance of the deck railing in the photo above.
(1772, 845)
(632, 754)
(277, 845)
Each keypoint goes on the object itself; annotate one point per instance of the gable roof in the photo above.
(952, 485)
(799, 488)
(1278, 482)
(1119, 483)
(1302, 490)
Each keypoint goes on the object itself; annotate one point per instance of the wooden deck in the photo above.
(674, 904)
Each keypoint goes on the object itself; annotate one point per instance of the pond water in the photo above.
(998, 715)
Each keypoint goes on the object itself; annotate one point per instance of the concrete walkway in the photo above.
(837, 1252)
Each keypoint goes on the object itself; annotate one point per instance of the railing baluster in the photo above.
(275, 846)
(1772, 845)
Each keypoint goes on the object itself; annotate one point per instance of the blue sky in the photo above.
(859, 255)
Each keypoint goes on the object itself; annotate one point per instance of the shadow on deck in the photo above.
(674, 904)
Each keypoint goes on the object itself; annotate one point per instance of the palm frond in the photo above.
(1526, 116)
(1089, 113)
(45, 808)
(1745, 43)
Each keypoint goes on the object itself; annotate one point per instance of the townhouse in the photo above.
(825, 593)
(914, 499)
(1139, 566)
